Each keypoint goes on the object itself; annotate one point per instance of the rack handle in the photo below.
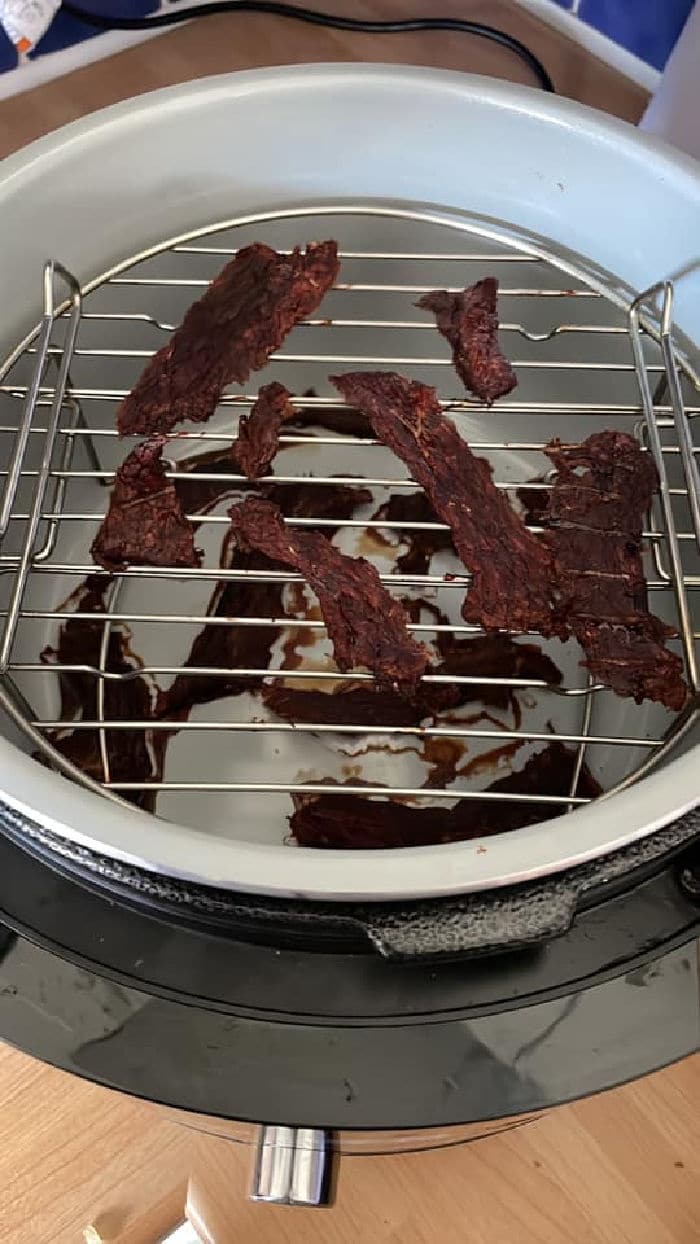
(51, 311)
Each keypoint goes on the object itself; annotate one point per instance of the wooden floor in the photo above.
(623, 1168)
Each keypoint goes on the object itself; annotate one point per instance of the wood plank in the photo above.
(72, 1154)
(621, 1167)
(618, 1168)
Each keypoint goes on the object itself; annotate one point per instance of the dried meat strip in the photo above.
(600, 492)
(145, 523)
(366, 625)
(511, 567)
(469, 321)
(633, 660)
(258, 432)
(231, 331)
(353, 822)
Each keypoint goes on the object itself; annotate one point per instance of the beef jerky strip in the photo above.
(258, 432)
(511, 568)
(248, 647)
(469, 321)
(366, 625)
(231, 331)
(145, 523)
(347, 822)
(600, 493)
(487, 656)
(133, 755)
(631, 658)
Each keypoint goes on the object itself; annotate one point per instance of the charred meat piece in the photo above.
(347, 822)
(145, 523)
(132, 755)
(511, 568)
(258, 432)
(366, 625)
(231, 331)
(218, 646)
(600, 493)
(469, 321)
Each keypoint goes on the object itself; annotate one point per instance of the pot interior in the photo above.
(229, 766)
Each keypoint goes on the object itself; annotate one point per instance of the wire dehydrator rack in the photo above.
(587, 355)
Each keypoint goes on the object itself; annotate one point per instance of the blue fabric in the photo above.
(8, 56)
(648, 28)
(65, 31)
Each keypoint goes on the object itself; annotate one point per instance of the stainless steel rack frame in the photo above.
(567, 336)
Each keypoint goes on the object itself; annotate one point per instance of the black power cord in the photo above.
(314, 18)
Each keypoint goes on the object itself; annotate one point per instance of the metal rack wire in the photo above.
(64, 415)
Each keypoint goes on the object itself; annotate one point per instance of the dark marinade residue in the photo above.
(133, 755)
(231, 331)
(600, 493)
(145, 523)
(363, 704)
(258, 432)
(494, 656)
(198, 494)
(511, 567)
(469, 321)
(248, 647)
(353, 822)
(366, 704)
(366, 625)
(414, 507)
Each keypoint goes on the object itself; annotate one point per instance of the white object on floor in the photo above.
(674, 112)
(26, 21)
(184, 1234)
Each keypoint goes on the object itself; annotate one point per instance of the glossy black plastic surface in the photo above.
(208, 1023)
